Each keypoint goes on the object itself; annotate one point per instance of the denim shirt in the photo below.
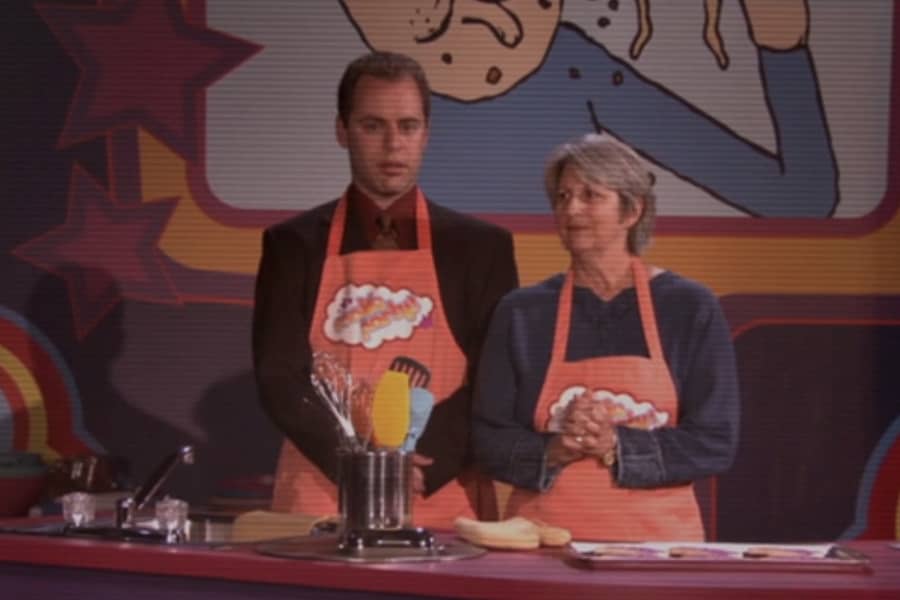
(699, 353)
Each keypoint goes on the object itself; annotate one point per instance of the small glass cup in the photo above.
(172, 516)
(78, 508)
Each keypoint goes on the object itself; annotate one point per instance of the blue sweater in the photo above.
(697, 345)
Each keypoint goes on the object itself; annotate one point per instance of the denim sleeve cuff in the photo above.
(639, 459)
(548, 475)
(527, 464)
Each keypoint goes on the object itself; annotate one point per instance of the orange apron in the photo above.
(584, 497)
(371, 307)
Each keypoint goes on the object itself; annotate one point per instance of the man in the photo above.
(382, 241)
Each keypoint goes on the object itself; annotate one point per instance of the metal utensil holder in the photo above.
(375, 491)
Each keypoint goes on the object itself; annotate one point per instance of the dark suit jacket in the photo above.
(475, 266)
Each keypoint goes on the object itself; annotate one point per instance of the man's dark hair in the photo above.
(390, 66)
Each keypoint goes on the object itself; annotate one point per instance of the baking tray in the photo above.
(717, 557)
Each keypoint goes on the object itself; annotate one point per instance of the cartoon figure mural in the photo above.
(572, 83)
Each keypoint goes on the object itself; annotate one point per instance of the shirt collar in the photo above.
(401, 209)
(402, 213)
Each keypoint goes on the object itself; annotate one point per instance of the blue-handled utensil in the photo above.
(420, 404)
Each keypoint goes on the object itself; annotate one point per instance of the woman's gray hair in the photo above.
(605, 161)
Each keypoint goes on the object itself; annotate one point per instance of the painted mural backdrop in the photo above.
(147, 143)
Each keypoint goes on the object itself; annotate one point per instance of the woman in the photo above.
(605, 391)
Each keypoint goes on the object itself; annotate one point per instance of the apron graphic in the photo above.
(373, 306)
(638, 392)
(371, 316)
(621, 409)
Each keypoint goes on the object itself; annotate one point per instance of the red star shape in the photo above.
(141, 64)
(105, 251)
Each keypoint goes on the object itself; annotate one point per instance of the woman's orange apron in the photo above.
(390, 303)
(584, 497)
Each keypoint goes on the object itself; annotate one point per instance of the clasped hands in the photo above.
(587, 431)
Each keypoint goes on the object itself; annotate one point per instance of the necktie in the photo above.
(386, 238)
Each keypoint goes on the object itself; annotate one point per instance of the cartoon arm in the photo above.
(798, 179)
(582, 86)
(801, 178)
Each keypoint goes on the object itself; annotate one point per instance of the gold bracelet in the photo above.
(609, 457)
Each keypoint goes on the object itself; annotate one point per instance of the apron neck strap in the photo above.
(645, 306)
(563, 318)
(339, 222)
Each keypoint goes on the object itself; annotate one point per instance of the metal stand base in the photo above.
(356, 541)
(327, 547)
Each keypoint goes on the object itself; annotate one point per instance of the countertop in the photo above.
(37, 563)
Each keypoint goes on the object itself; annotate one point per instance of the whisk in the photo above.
(334, 403)
(348, 399)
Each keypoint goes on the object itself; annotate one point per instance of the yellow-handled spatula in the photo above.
(390, 409)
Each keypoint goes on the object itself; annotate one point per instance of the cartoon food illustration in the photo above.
(470, 49)
(621, 409)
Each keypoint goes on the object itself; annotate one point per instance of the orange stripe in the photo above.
(728, 264)
(191, 237)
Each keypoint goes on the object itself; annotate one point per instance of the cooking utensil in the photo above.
(361, 412)
(419, 375)
(334, 406)
(390, 409)
(421, 402)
